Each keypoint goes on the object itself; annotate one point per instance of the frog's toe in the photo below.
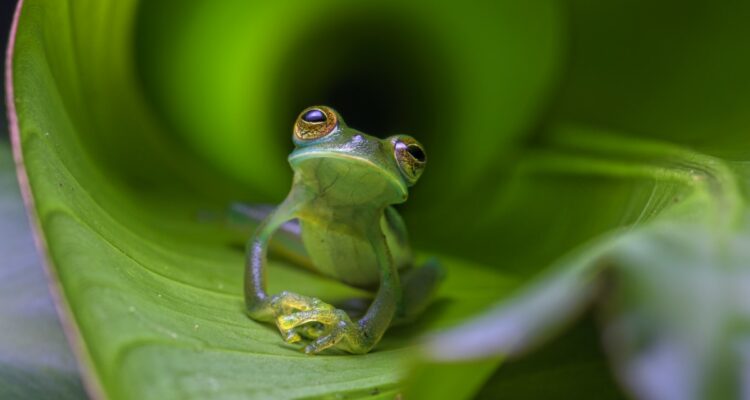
(291, 336)
(325, 317)
(342, 334)
(312, 330)
(309, 331)
(287, 302)
(325, 327)
(324, 342)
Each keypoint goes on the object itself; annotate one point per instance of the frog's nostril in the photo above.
(314, 116)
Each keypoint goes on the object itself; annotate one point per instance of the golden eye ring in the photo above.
(410, 157)
(315, 123)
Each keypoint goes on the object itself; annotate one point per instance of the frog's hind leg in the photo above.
(419, 286)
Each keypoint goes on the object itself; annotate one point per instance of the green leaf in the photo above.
(671, 289)
(672, 71)
(35, 361)
(127, 198)
(140, 122)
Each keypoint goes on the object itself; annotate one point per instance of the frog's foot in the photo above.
(283, 303)
(287, 303)
(310, 331)
(336, 329)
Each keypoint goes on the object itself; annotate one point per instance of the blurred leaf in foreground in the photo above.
(671, 291)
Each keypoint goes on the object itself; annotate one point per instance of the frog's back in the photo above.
(338, 246)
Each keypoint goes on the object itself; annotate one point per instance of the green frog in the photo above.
(340, 206)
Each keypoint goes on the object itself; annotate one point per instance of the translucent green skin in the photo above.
(344, 185)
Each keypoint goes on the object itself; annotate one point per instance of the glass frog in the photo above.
(345, 183)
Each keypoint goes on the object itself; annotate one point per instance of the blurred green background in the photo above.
(142, 120)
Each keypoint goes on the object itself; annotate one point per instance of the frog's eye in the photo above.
(410, 157)
(315, 123)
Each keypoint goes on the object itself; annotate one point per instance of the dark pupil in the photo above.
(314, 116)
(416, 152)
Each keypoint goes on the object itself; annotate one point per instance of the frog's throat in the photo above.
(297, 157)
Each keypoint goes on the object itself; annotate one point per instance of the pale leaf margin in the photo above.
(72, 333)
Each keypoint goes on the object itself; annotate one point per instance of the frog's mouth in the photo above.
(346, 171)
(299, 156)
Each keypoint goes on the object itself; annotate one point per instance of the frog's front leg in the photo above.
(262, 307)
(337, 328)
(259, 305)
(300, 316)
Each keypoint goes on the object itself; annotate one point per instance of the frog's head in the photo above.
(350, 167)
